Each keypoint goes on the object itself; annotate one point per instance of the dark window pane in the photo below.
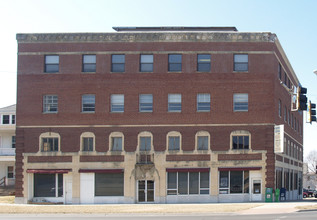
(246, 182)
(193, 183)
(204, 180)
(146, 67)
(246, 142)
(117, 68)
(117, 143)
(241, 67)
(182, 183)
(109, 184)
(44, 185)
(203, 67)
(120, 58)
(174, 67)
(171, 180)
(175, 58)
(235, 142)
(51, 68)
(6, 119)
(224, 179)
(174, 107)
(145, 143)
(89, 68)
(240, 140)
(236, 181)
(202, 142)
(173, 143)
(60, 185)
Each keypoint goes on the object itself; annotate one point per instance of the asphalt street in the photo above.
(307, 215)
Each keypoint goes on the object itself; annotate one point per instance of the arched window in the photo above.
(49, 142)
(116, 141)
(202, 140)
(174, 141)
(87, 141)
(145, 141)
(240, 140)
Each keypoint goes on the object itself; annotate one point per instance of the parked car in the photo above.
(310, 192)
(305, 194)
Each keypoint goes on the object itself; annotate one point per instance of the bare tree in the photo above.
(311, 161)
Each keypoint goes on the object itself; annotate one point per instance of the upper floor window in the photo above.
(285, 114)
(116, 141)
(49, 142)
(240, 102)
(5, 119)
(279, 71)
(145, 143)
(117, 103)
(13, 119)
(89, 63)
(118, 63)
(241, 62)
(203, 62)
(174, 102)
(146, 103)
(174, 141)
(88, 103)
(87, 141)
(146, 63)
(50, 103)
(202, 140)
(174, 62)
(51, 63)
(203, 102)
(13, 141)
(240, 140)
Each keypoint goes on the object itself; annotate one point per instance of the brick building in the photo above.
(156, 114)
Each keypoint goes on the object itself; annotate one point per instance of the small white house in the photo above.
(7, 145)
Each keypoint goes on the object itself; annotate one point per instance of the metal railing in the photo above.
(7, 151)
(144, 158)
(3, 181)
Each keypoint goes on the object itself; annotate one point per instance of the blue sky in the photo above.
(294, 22)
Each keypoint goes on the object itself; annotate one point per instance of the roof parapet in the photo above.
(174, 28)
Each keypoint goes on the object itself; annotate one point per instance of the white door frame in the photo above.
(145, 191)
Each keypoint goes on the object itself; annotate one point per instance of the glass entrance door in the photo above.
(146, 191)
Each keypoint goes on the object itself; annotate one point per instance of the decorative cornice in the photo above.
(148, 37)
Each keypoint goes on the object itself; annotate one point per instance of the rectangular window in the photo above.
(173, 143)
(285, 114)
(202, 142)
(13, 141)
(51, 63)
(145, 143)
(89, 63)
(280, 71)
(5, 119)
(118, 63)
(88, 143)
(117, 103)
(48, 185)
(233, 182)
(203, 102)
(203, 62)
(240, 102)
(109, 184)
(146, 103)
(116, 143)
(49, 144)
(146, 63)
(13, 119)
(187, 183)
(10, 172)
(174, 62)
(240, 142)
(50, 103)
(174, 102)
(88, 103)
(241, 62)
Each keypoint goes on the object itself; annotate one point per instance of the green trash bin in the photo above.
(269, 195)
(277, 195)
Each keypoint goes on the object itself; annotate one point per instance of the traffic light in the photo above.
(311, 112)
(301, 98)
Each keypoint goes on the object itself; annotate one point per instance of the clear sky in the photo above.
(294, 22)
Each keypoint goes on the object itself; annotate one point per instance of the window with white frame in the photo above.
(48, 185)
(13, 141)
(87, 141)
(203, 102)
(89, 63)
(202, 142)
(13, 119)
(146, 103)
(50, 103)
(240, 102)
(146, 63)
(203, 62)
(145, 143)
(116, 142)
(118, 63)
(174, 62)
(88, 103)
(174, 102)
(233, 182)
(188, 183)
(241, 62)
(240, 140)
(5, 119)
(51, 63)
(10, 172)
(117, 103)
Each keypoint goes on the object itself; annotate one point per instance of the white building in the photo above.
(7, 145)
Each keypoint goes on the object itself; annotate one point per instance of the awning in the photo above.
(101, 171)
(238, 168)
(174, 170)
(48, 171)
